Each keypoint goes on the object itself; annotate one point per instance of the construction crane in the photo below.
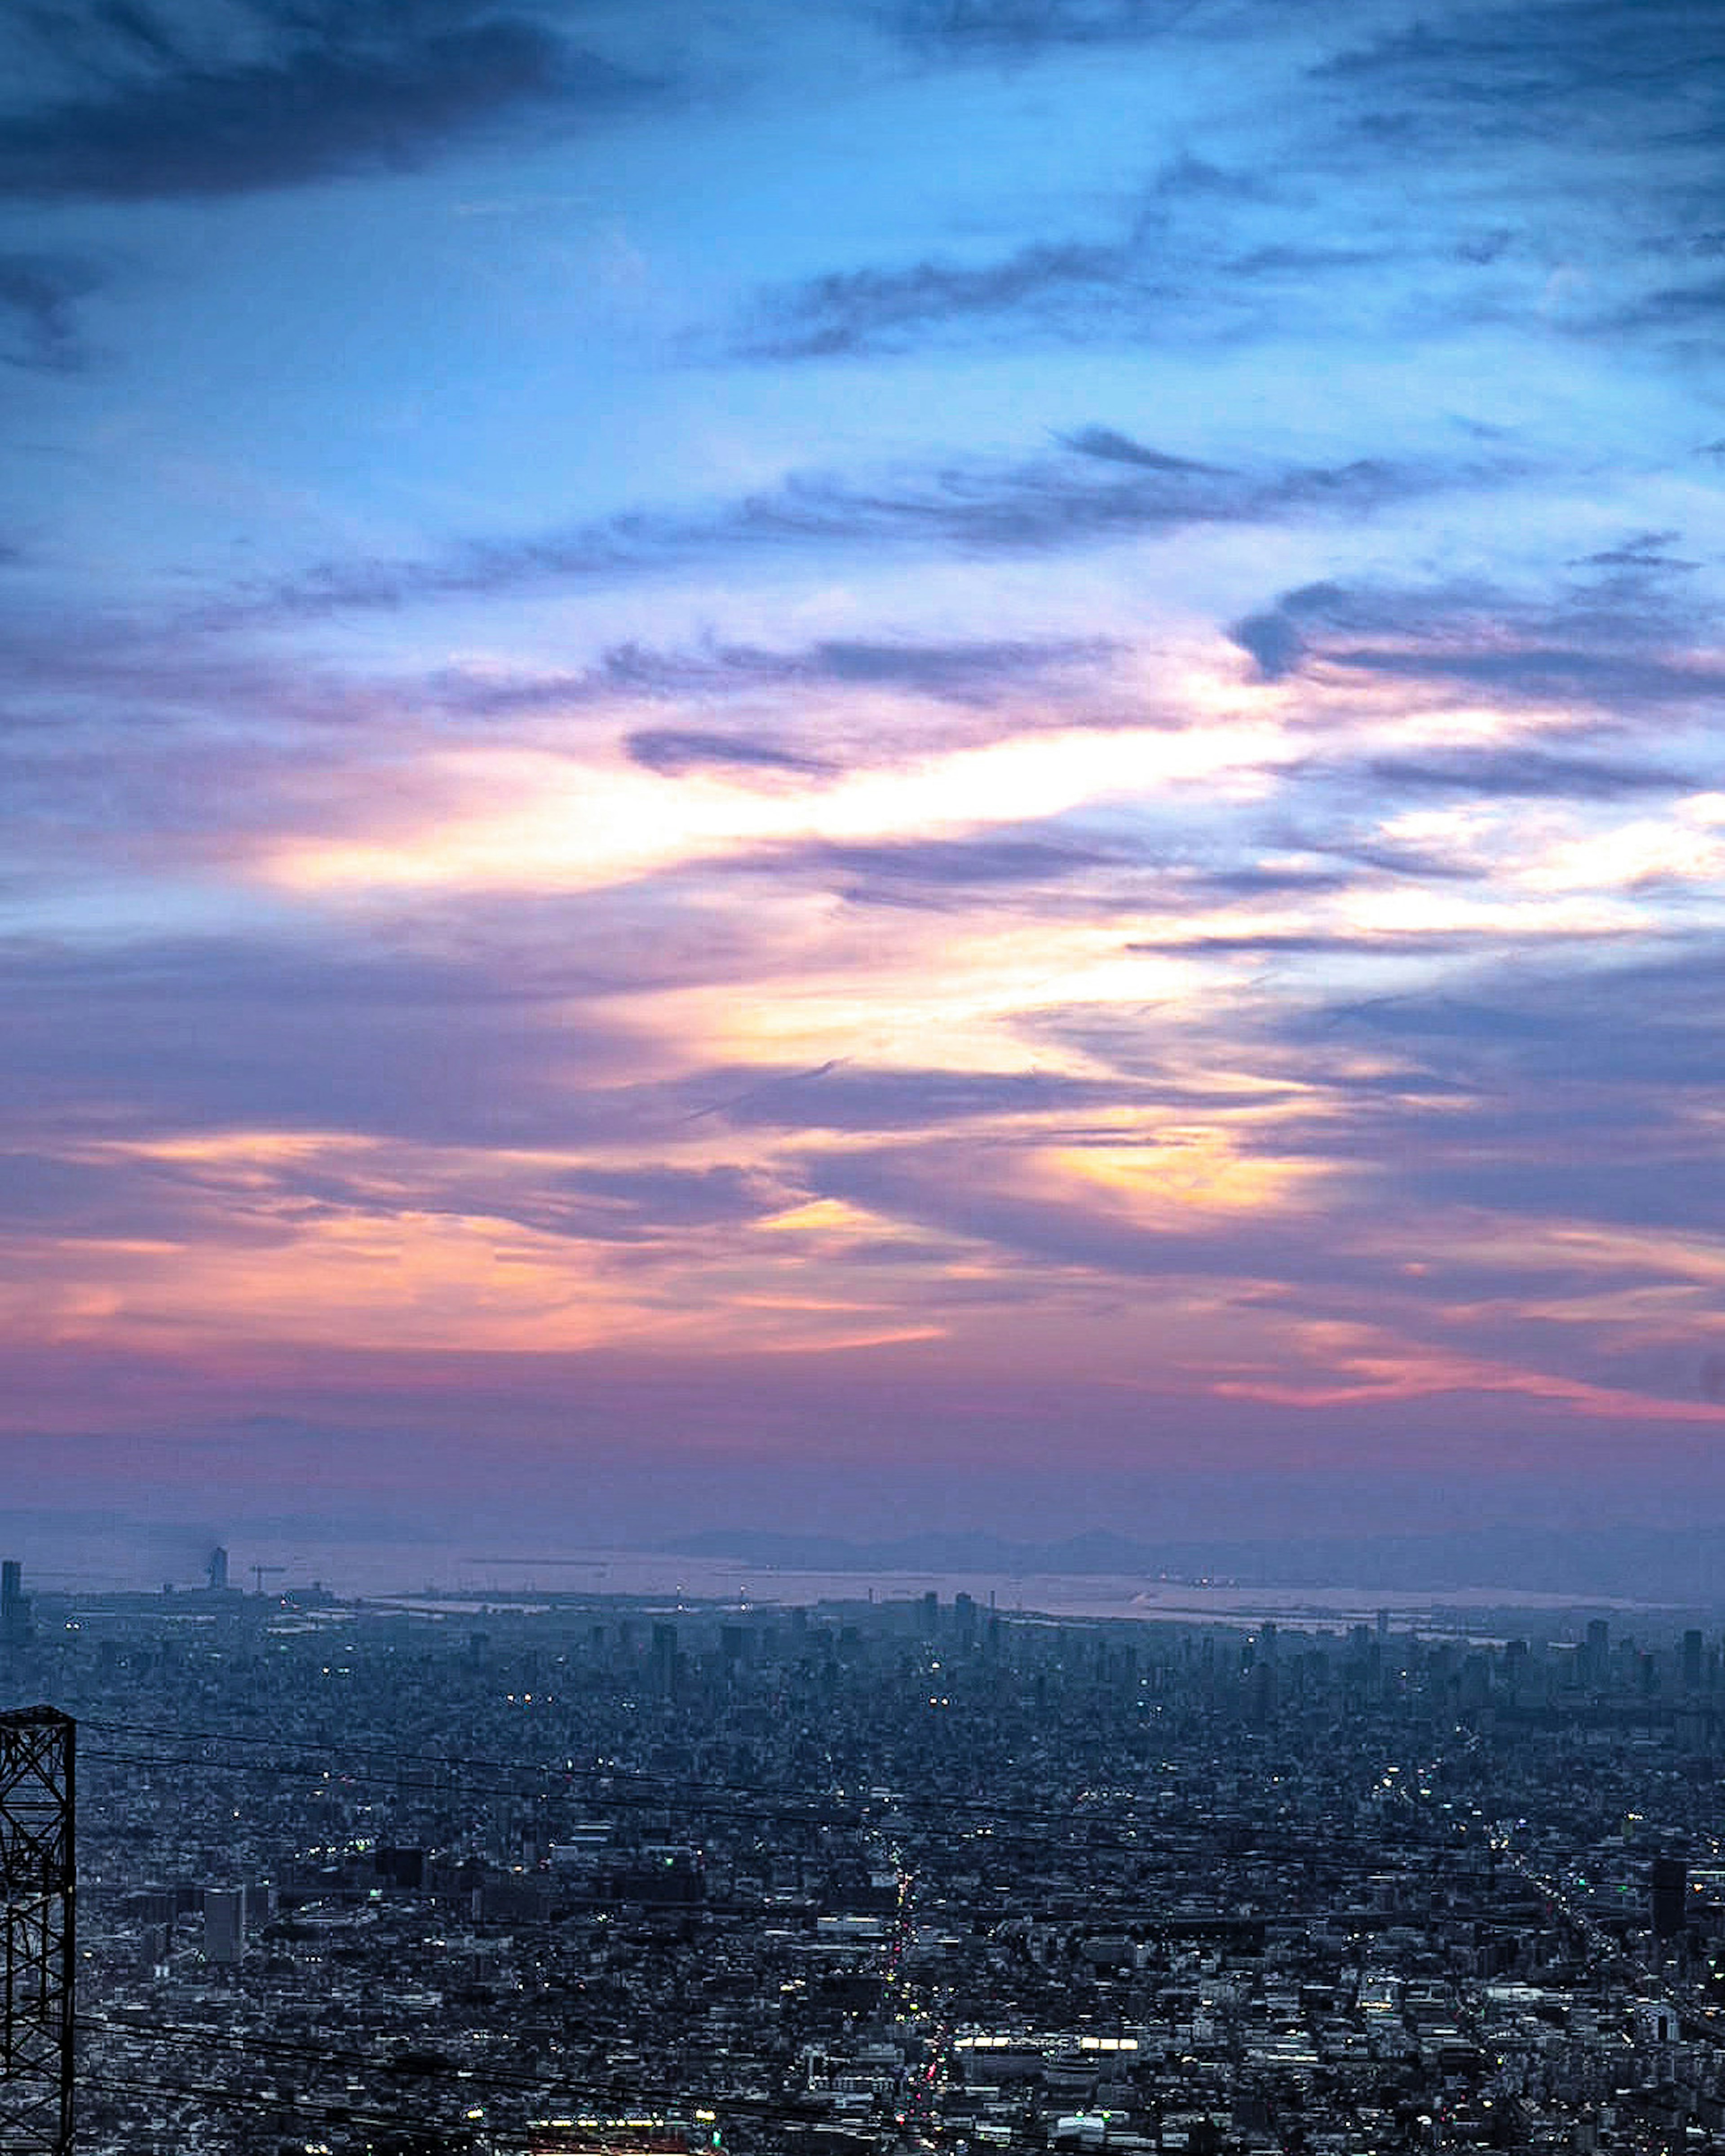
(258, 1571)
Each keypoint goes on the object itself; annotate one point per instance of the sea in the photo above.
(438, 1579)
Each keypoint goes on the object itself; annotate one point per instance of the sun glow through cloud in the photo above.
(553, 824)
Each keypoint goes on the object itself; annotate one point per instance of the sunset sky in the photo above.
(862, 762)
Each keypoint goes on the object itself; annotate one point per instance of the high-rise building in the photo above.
(224, 1925)
(217, 1569)
(1671, 1887)
(14, 1604)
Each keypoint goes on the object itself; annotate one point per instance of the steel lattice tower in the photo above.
(36, 1961)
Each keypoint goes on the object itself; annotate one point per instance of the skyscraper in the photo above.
(1670, 1887)
(14, 1604)
(224, 1925)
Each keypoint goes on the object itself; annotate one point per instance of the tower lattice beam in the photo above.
(38, 1890)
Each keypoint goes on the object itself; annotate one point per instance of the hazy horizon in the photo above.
(1096, 1574)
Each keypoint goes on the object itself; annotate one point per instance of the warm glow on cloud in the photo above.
(1645, 851)
(1175, 1169)
(548, 823)
(940, 993)
(1436, 910)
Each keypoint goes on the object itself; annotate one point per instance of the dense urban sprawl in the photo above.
(579, 1873)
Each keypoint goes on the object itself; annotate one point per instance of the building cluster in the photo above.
(579, 1874)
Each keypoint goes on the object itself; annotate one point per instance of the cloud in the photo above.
(650, 1204)
(856, 1099)
(1624, 638)
(1656, 1024)
(39, 294)
(996, 26)
(1513, 773)
(634, 1204)
(843, 313)
(1274, 640)
(968, 1186)
(1273, 943)
(670, 750)
(935, 872)
(1555, 71)
(1116, 448)
(1041, 504)
(258, 99)
(1694, 308)
(973, 673)
(277, 1033)
(1260, 880)
(1547, 1100)
(1159, 283)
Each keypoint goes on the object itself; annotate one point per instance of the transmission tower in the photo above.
(36, 1964)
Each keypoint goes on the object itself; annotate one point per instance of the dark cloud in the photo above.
(40, 1194)
(853, 1098)
(148, 111)
(1273, 639)
(39, 297)
(1006, 26)
(184, 1196)
(931, 870)
(232, 1033)
(670, 750)
(968, 673)
(1364, 848)
(1646, 550)
(1533, 1089)
(1654, 1028)
(1517, 771)
(1621, 1183)
(1295, 944)
(968, 1186)
(1623, 638)
(637, 1204)
(1113, 447)
(1158, 282)
(1044, 504)
(1257, 879)
(848, 312)
(1553, 71)
(1696, 307)
(1073, 865)
(963, 673)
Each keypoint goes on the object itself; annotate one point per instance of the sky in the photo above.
(859, 764)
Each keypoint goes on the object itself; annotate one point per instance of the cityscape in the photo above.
(574, 1873)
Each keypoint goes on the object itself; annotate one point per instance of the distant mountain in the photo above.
(1666, 1565)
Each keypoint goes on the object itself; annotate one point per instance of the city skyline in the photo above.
(861, 763)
